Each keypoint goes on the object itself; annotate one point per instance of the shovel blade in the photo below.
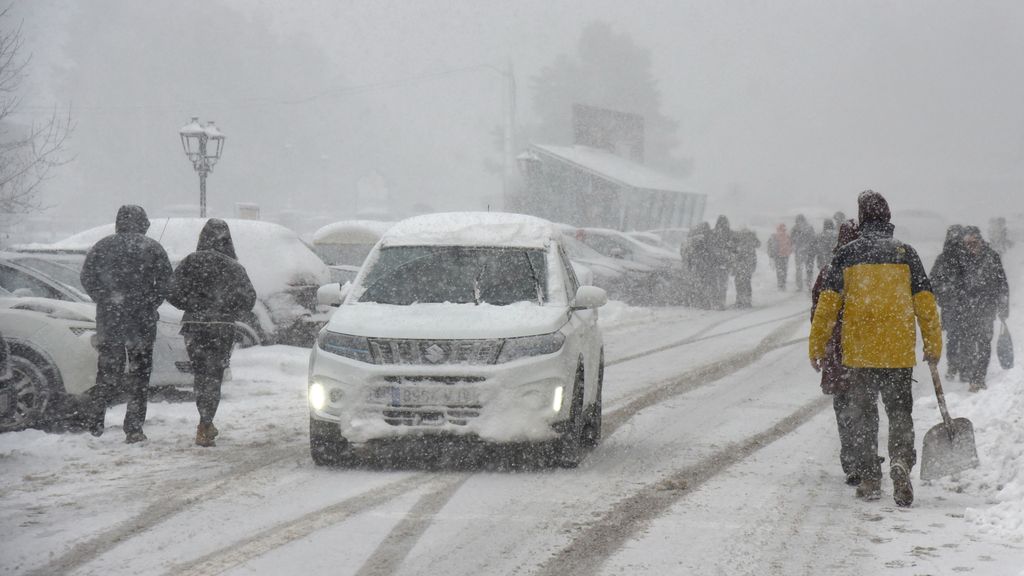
(942, 455)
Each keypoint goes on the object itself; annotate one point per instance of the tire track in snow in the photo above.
(175, 499)
(278, 535)
(700, 336)
(390, 554)
(601, 538)
(701, 375)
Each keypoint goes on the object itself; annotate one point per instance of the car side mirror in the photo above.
(589, 297)
(332, 294)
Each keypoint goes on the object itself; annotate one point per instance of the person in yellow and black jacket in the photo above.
(881, 286)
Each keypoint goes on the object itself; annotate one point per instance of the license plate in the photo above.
(417, 395)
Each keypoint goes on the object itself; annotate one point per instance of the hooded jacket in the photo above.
(127, 275)
(210, 285)
(881, 285)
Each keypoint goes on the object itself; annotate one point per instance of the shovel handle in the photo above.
(941, 398)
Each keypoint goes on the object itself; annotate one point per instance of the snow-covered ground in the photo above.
(719, 457)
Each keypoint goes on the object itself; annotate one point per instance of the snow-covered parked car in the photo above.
(38, 278)
(51, 357)
(344, 245)
(284, 271)
(464, 324)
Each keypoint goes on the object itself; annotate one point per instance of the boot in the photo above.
(902, 489)
(205, 434)
(133, 437)
(869, 489)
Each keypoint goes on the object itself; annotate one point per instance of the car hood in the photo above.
(60, 309)
(446, 321)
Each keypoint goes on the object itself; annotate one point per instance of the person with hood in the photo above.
(214, 291)
(825, 244)
(722, 252)
(804, 244)
(698, 260)
(985, 296)
(780, 246)
(834, 376)
(127, 275)
(945, 275)
(744, 264)
(881, 287)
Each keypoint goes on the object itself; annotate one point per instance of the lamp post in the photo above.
(203, 146)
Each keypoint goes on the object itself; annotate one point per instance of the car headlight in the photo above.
(354, 347)
(317, 396)
(515, 348)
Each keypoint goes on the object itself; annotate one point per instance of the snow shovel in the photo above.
(949, 446)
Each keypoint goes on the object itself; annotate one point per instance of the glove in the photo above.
(817, 364)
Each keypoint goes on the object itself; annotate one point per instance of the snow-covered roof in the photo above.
(615, 168)
(471, 229)
(351, 232)
(273, 255)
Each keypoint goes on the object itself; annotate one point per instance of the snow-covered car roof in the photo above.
(472, 229)
(351, 232)
(274, 256)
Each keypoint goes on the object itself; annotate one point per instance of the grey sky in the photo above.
(795, 104)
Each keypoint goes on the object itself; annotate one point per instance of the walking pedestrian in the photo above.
(744, 264)
(803, 251)
(825, 244)
(881, 287)
(127, 275)
(985, 296)
(945, 276)
(780, 246)
(214, 290)
(722, 252)
(699, 261)
(834, 376)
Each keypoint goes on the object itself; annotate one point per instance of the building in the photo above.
(591, 187)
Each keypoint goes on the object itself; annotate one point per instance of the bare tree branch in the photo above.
(28, 156)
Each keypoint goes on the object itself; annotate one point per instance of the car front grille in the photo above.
(434, 352)
(433, 416)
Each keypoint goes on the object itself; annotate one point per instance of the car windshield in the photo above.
(62, 272)
(405, 275)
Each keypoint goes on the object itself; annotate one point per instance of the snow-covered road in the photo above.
(720, 457)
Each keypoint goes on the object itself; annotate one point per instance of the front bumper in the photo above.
(509, 402)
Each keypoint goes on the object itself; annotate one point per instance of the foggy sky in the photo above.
(782, 106)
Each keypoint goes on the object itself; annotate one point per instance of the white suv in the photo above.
(465, 324)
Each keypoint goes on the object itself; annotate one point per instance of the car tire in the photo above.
(37, 393)
(569, 452)
(592, 431)
(327, 446)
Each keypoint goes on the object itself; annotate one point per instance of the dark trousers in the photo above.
(804, 270)
(975, 348)
(122, 368)
(954, 349)
(894, 385)
(209, 350)
(781, 270)
(845, 423)
(743, 290)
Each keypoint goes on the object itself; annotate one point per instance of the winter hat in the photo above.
(872, 207)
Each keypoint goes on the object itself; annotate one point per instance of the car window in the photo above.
(406, 275)
(14, 280)
(59, 271)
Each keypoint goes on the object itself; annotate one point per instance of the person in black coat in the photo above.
(945, 277)
(128, 276)
(985, 296)
(722, 249)
(214, 290)
(743, 266)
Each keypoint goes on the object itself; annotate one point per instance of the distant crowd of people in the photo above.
(711, 256)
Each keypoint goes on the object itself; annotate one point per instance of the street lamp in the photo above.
(203, 146)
